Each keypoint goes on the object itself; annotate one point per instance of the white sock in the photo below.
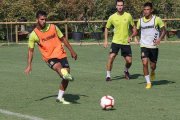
(126, 69)
(147, 79)
(60, 94)
(108, 74)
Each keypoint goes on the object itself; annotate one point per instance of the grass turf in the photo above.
(35, 94)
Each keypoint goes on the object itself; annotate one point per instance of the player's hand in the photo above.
(105, 44)
(129, 39)
(157, 42)
(28, 70)
(74, 55)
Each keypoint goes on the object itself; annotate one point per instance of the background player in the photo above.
(121, 21)
(152, 32)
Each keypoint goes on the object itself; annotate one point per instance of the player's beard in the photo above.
(120, 10)
(42, 25)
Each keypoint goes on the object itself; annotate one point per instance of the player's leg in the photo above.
(127, 54)
(153, 60)
(57, 65)
(111, 57)
(153, 67)
(65, 71)
(63, 85)
(128, 64)
(61, 66)
(109, 66)
(145, 59)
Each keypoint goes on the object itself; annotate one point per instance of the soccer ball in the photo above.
(107, 102)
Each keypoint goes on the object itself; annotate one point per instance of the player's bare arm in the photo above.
(29, 61)
(137, 37)
(163, 33)
(66, 43)
(106, 38)
(134, 33)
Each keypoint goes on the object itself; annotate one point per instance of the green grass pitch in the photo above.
(34, 95)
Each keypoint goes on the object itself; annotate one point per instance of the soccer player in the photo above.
(49, 40)
(122, 23)
(152, 32)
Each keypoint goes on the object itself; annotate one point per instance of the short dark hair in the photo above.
(119, 1)
(148, 4)
(40, 13)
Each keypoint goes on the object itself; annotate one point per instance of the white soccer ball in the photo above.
(107, 102)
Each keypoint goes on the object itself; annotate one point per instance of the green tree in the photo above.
(12, 10)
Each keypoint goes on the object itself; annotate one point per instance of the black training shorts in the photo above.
(64, 62)
(151, 53)
(125, 49)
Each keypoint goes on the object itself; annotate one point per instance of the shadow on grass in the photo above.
(136, 76)
(69, 97)
(112, 109)
(133, 76)
(117, 77)
(160, 82)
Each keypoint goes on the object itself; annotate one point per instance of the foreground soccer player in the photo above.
(152, 32)
(49, 40)
(121, 21)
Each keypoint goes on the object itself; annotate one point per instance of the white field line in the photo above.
(19, 115)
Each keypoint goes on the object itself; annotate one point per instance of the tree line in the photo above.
(11, 10)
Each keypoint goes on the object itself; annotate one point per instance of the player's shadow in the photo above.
(69, 97)
(136, 76)
(73, 98)
(160, 82)
(133, 76)
(117, 77)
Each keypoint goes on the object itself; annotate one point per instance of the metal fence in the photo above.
(17, 31)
